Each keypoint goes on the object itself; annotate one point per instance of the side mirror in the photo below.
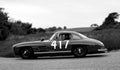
(42, 39)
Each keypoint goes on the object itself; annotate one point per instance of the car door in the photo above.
(61, 43)
(45, 46)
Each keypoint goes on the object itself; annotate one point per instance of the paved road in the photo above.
(109, 61)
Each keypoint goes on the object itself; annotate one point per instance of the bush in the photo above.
(110, 37)
(4, 33)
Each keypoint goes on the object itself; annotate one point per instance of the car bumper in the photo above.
(102, 50)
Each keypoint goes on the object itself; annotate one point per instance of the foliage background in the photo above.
(12, 32)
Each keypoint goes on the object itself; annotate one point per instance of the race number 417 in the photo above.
(54, 44)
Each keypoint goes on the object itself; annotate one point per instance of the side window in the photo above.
(75, 37)
(65, 36)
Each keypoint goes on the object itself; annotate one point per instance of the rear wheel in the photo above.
(27, 53)
(79, 51)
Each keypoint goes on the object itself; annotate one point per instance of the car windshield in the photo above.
(51, 38)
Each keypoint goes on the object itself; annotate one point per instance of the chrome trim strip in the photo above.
(102, 49)
(51, 52)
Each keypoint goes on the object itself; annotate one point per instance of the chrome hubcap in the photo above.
(26, 53)
(79, 50)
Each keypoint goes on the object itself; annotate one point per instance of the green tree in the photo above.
(41, 30)
(3, 17)
(20, 28)
(64, 27)
(32, 31)
(4, 32)
(94, 25)
(59, 28)
(110, 21)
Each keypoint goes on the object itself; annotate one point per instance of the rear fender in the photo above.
(78, 45)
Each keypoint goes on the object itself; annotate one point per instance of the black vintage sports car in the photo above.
(61, 42)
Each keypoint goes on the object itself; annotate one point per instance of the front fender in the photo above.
(34, 45)
(88, 41)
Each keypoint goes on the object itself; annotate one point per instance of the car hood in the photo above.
(30, 43)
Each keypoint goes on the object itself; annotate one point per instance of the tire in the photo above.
(27, 53)
(79, 51)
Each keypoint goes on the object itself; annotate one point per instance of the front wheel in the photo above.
(79, 51)
(26, 53)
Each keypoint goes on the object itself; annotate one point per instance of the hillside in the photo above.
(83, 29)
(80, 29)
